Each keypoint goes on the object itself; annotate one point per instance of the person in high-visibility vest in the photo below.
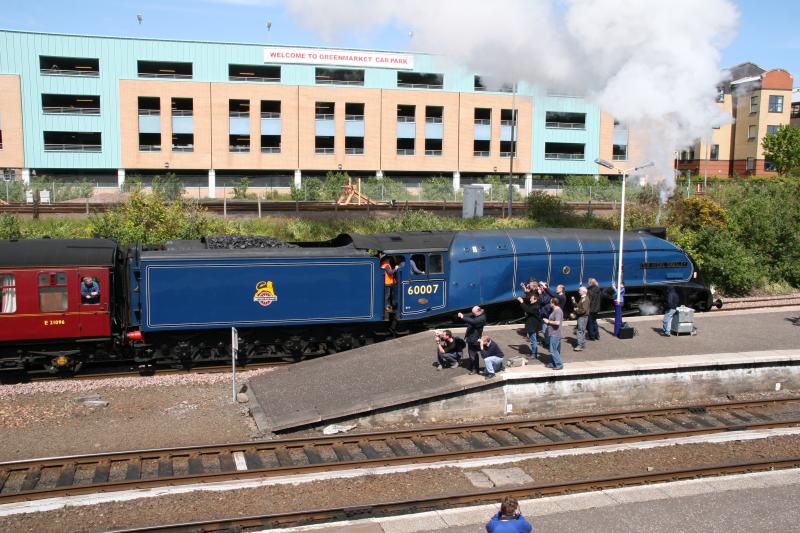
(389, 283)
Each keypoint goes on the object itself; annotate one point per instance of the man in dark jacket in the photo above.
(582, 314)
(448, 350)
(475, 322)
(533, 320)
(509, 519)
(595, 297)
(544, 308)
(670, 306)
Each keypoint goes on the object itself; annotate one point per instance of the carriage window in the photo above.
(8, 293)
(53, 292)
(90, 290)
(435, 264)
(418, 264)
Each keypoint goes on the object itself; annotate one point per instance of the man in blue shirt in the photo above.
(492, 356)
(509, 519)
(90, 291)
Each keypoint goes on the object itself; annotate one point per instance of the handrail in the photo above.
(69, 72)
(564, 156)
(236, 148)
(182, 112)
(507, 154)
(322, 81)
(70, 110)
(406, 119)
(169, 75)
(433, 152)
(483, 122)
(270, 149)
(238, 114)
(433, 120)
(354, 151)
(72, 147)
(406, 151)
(323, 150)
(257, 79)
(420, 85)
(149, 112)
(323, 116)
(566, 125)
(183, 148)
(481, 153)
(270, 114)
(149, 147)
(354, 118)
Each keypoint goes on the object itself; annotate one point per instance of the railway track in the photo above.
(320, 516)
(757, 302)
(86, 474)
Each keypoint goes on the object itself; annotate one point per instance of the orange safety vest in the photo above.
(388, 278)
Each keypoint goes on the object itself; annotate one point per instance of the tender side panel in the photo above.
(265, 292)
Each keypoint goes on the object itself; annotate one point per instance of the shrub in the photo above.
(10, 227)
(438, 188)
(169, 188)
(726, 263)
(549, 210)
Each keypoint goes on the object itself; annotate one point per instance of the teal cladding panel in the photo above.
(590, 137)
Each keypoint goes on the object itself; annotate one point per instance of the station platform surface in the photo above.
(400, 371)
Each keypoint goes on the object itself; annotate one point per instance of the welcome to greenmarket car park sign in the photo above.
(350, 58)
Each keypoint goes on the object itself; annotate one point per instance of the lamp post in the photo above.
(513, 148)
(620, 294)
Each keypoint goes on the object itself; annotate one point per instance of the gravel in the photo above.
(372, 489)
(67, 417)
(245, 241)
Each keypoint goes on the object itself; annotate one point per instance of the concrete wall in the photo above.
(560, 397)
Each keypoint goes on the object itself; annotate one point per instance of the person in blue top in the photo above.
(90, 291)
(509, 519)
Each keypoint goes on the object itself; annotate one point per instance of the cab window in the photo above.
(435, 264)
(8, 293)
(52, 292)
(417, 264)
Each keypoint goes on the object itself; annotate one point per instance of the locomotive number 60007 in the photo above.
(422, 289)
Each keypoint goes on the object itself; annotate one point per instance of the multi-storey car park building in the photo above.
(107, 108)
(110, 107)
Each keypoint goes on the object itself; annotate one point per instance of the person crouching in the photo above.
(448, 349)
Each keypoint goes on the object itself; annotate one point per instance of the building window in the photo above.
(752, 132)
(239, 126)
(149, 110)
(769, 166)
(420, 80)
(405, 146)
(714, 155)
(353, 112)
(52, 292)
(563, 120)
(750, 164)
(72, 141)
(619, 152)
(434, 114)
(795, 110)
(164, 69)
(720, 96)
(483, 116)
(569, 151)
(70, 104)
(339, 76)
(324, 110)
(324, 144)
(433, 147)
(775, 103)
(481, 148)
(754, 104)
(354, 128)
(182, 124)
(772, 129)
(8, 294)
(69, 66)
(406, 113)
(354, 145)
(271, 126)
(254, 73)
(506, 117)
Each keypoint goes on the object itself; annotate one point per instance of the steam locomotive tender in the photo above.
(176, 305)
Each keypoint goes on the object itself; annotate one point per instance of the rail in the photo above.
(167, 75)
(406, 151)
(394, 508)
(571, 157)
(566, 125)
(86, 474)
(256, 79)
(72, 148)
(69, 72)
(322, 81)
(270, 149)
(70, 110)
(420, 85)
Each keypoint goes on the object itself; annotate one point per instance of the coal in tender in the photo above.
(242, 242)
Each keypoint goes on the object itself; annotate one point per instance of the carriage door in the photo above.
(422, 284)
(92, 287)
(53, 293)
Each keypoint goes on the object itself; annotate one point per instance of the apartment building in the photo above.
(759, 101)
(109, 107)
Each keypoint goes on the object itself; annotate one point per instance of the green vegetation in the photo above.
(783, 149)
(745, 235)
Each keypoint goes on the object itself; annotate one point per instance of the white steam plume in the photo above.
(652, 64)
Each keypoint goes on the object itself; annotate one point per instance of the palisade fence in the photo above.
(329, 188)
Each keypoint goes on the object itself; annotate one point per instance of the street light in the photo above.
(618, 298)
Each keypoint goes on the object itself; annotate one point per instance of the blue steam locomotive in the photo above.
(176, 305)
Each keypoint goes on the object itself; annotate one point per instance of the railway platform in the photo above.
(395, 382)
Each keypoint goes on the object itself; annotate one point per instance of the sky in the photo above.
(767, 35)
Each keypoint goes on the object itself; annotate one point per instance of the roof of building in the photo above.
(57, 252)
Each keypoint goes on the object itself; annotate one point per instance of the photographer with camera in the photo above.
(448, 349)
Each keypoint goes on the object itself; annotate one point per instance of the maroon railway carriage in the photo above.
(44, 321)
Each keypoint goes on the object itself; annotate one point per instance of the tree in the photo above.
(782, 148)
